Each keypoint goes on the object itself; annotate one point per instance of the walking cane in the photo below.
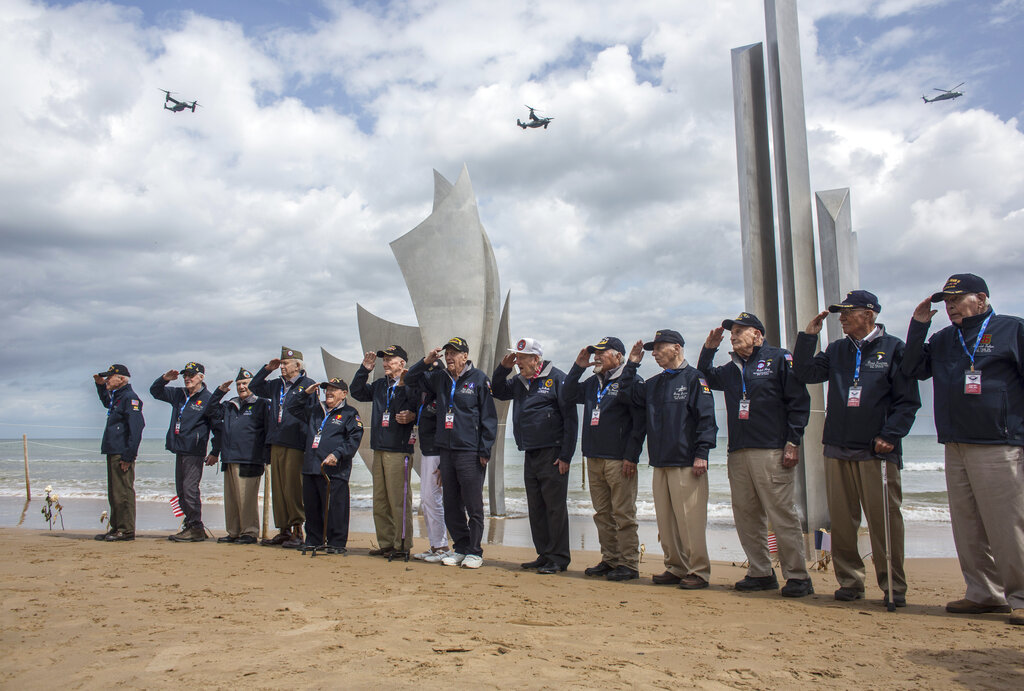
(891, 604)
(405, 493)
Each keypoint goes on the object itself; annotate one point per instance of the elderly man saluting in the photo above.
(121, 438)
(681, 431)
(187, 437)
(977, 368)
(768, 409)
(871, 407)
(545, 427)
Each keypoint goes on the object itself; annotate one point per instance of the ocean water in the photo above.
(74, 468)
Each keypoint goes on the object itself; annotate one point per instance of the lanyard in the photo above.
(110, 408)
(601, 392)
(389, 395)
(184, 405)
(327, 416)
(977, 341)
(856, 367)
(743, 379)
(284, 392)
(451, 396)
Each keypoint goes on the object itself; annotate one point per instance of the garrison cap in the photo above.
(243, 373)
(289, 354)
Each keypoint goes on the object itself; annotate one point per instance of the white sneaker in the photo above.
(472, 561)
(435, 557)
(453, 559)
(422, 556)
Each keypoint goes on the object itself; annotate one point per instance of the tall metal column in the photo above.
(840, 265)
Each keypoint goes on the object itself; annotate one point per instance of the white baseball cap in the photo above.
(527, 346)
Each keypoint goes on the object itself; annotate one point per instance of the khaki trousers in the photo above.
(681, 505)
(392, 500)
(121, 495)
(763, 493)
(614, 500)
(286, 486)
(852, 485)
(985, 485)
(241, 506)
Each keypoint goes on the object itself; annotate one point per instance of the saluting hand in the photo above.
(814, 326)
(714, 338)
(508, 360)
(636, 353)
(369, 359)
(274, 364)
(923, 313)
(583, 359)
(170, 375)
(225, 387)
(313, 389)
(434, 355)
(99, 380)
(331, 460)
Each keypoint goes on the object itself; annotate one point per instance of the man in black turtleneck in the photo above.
(977, 368)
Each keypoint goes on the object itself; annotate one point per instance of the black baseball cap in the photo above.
(243, 373)
(665, 336)
(393, 351)
(192, 368)
(745, 319)
(116, 369)
(458, 344)
(962, 284)
(335, 382)
(858, 298)
(607, 343)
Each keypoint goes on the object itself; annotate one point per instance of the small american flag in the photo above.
(773, 546)
(176, 507)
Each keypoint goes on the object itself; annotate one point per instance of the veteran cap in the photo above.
(393, 351)
(962, 284)
(243, 374)
(745, 319)
(336, 383)
(458, 344)
(527, 346)
(664, 336)
(607, 343)
(290, 354)
(115, 369)
(192, 368)
(857, 298)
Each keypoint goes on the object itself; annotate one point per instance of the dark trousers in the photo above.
(462, 490)
(318, 501)
(546, 492)
(121, 495)
(188, 472)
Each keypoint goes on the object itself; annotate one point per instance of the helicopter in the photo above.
(534, 121)
(178, 105)
(946, 95)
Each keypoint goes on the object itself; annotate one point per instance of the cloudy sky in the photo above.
(137, 235)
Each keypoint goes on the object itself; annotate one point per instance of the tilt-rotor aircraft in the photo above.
(178, 106)
(534, 121)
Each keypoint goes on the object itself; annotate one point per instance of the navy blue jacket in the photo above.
(996, 415)
(239, 427)
(476, 420)
(285, 429)
(123, 431)
(779, 402)
(340, 435)
(426, 420)
(619, 433)
(385, 396)
(192, 435)
(541, 418)
(889, 398)
(680, 415)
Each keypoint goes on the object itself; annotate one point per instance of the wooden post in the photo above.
(28, 487)
(583, 473)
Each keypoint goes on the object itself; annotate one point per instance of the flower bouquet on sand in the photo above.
(52, 508)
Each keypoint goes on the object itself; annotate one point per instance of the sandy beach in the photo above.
(153, 614)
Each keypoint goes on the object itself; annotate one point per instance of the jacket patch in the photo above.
(468, 388)
(681, 393)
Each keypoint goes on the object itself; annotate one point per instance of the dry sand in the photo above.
(149, 613)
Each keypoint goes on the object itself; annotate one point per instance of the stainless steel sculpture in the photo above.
(840, 266)
(757, 224)
(452, 276)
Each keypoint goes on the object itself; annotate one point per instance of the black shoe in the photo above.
(602, 569)
(119, 536)
(381, 552)
(551, 567)
(797, 587)
(845, 594)
(535, 564)
(227, 538)
(897, 599)
(751, 584)
(666, 578)
(246, 540)
(398, 555)
(103, 536)
(622, 573)
(335, 550)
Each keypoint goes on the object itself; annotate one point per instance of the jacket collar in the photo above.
(875, 334)
(612, 374)
(545, 370)
(974, 321)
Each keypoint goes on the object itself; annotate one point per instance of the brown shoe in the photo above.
(181, 535)
(666, 578)
(381, 552)
(119, 536)
(1017, 617)
(966, 606)
(277, 540)
(692, 582)
(194, 534)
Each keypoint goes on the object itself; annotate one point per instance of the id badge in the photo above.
(412, 435)
(280, 412)
(316, 441)
(449, 420)
(177, 427)
(972, 382)
(595, 417)
(744, 409)
(385, 419)
(853, 400)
